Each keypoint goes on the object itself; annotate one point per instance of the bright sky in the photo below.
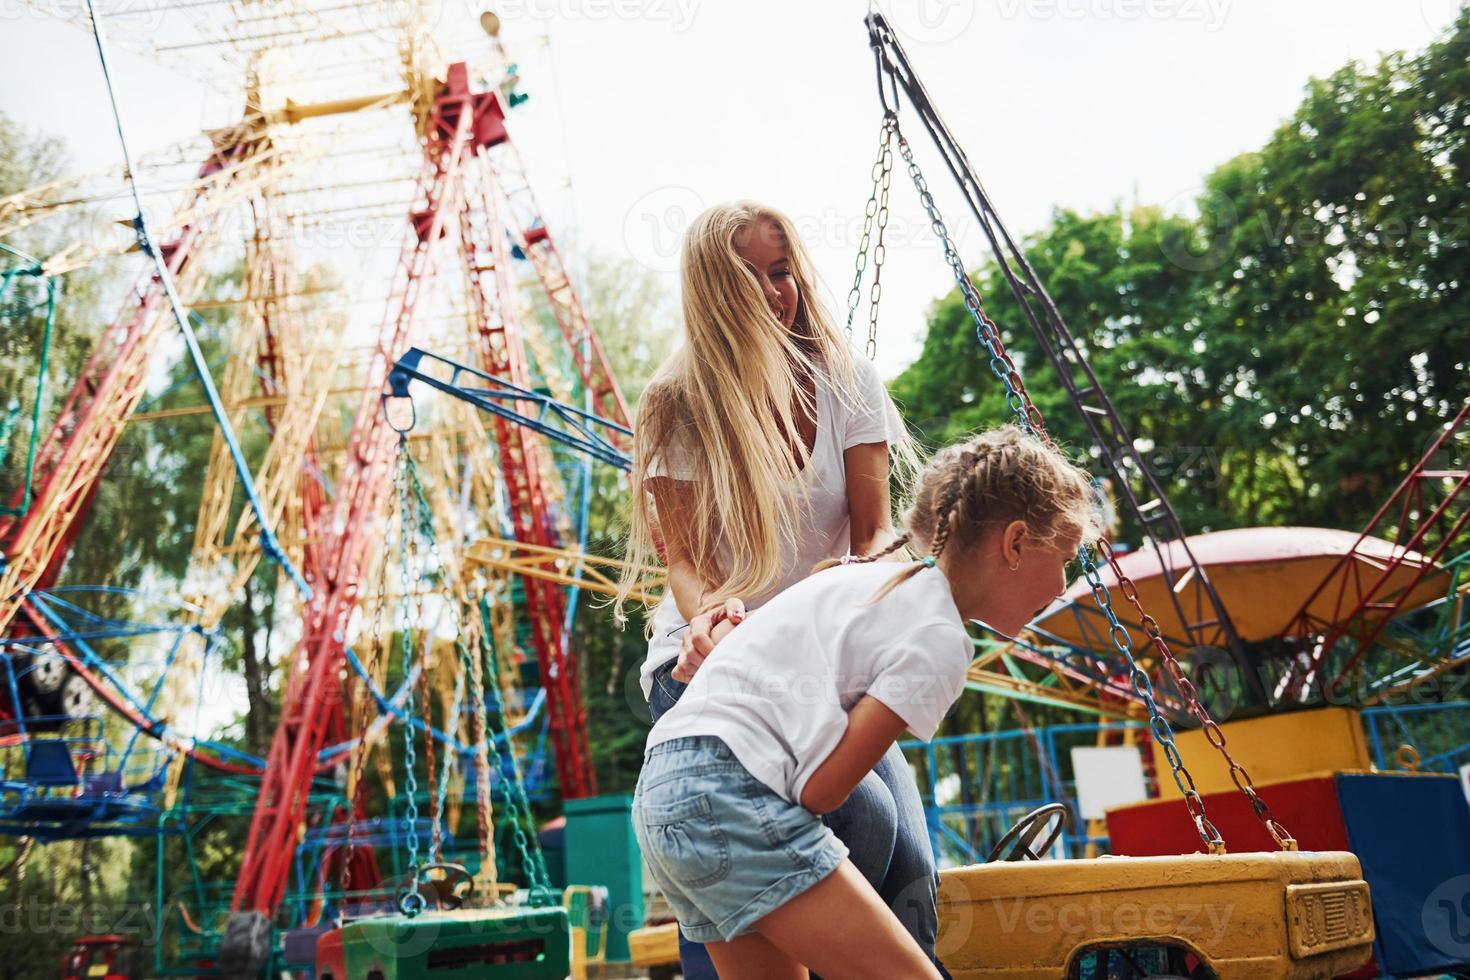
(643, 111)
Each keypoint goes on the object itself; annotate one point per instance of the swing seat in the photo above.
(1262, 916)
(508, 942)
(655, 945)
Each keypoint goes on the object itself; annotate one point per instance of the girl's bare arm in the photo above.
(871, 728)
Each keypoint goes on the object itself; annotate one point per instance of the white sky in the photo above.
(644, 110)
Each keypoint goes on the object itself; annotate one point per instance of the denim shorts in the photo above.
(722, 846)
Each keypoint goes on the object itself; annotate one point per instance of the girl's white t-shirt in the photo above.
(777, 689)
(823, 529)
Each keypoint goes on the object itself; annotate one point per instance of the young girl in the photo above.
(762, 448)
(809, 691)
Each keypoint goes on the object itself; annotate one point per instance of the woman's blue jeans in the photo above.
(883, 825)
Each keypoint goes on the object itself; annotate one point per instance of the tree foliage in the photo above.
(1285, 354)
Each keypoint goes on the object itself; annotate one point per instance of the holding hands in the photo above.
(706, 629)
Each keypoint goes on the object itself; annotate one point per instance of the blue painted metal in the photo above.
(574, 427)
(1011, 773)
(1440, 733)
(268, 542)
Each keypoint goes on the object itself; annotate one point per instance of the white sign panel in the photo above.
(1107, 777)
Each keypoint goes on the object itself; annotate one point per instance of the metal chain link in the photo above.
(513, 790)
(423, 514)
(474, 662)
(1212, 731)
(875, 210)
(410, 902)
(453, 606)
(1029, 418)
(360, 752)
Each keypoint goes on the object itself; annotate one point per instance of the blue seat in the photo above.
(48, 763)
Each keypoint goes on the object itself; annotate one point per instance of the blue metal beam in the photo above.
(570, 426)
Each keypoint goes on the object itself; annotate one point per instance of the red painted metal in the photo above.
(72, 457)
(1420, 540)
(487, 265)
(524, 216)
(312, 707)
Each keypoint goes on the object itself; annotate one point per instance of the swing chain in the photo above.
(473, 666)
(1143, 688)
(424, 528)
(1212, 731)
(1030, 420)
(360, 752)
(876, 209)
(1028, 416)
(453, 604)
(400, 478)
(516, 804)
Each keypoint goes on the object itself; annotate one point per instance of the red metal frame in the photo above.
(487, 259)
(1361, 611)
(311, 712)
(462, 125)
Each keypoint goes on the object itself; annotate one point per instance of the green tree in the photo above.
(637, 322)
(1283, 356)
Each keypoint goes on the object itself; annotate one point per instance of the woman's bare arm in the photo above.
(871, 728)
(673, 502)
(866, 467)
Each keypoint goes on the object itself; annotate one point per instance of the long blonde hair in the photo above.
(729, 394)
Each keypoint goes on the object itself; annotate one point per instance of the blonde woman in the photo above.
(762, 449)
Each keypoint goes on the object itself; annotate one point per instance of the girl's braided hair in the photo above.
(989, 480)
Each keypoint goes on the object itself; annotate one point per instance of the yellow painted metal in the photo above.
(566, 566)
(1272, 748)
(1249, 916)
(589, 940)
(993, 672)
(655, 945)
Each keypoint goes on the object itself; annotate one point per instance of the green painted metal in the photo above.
(32, 268)
(601, 850)
(466, 944)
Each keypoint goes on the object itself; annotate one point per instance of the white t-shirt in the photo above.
(822, 530)
(777, 689)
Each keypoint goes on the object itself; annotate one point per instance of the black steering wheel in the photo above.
(1017, 844)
